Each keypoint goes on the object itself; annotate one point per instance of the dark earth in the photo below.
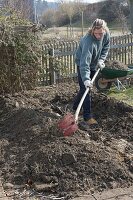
(116, 64)
(34, 154)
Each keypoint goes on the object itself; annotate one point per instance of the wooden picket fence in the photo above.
(58, 58)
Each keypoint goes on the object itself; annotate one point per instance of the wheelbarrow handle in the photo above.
(84, 95)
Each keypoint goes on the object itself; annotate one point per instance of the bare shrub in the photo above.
(20, 56)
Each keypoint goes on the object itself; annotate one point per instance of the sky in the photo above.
(88, 1)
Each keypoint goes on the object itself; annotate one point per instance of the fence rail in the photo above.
(58, 58)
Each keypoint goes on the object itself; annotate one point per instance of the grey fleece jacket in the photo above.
(89, 52)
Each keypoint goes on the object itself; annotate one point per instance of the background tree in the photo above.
(123, 17)
(41, 6)
(131, 14)
(68, 7)
(24, 8)
(80, 9)
(48, 18)
(118, 13)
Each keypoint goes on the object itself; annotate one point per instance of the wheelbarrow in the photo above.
(108, 76)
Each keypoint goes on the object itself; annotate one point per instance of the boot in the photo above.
(92, 123)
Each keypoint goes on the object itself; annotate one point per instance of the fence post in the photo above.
(82, 23)
(51, 67)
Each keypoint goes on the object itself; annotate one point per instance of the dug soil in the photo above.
(35, 155)
(116, 64)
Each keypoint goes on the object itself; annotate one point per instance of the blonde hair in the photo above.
(97, 24)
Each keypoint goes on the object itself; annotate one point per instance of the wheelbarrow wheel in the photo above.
(100, 84)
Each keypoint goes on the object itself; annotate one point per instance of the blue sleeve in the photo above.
(105, 48)
(85, 60)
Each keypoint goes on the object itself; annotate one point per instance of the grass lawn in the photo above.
(75, 33)
(122, 95)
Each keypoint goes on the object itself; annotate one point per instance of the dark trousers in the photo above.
(87, 102)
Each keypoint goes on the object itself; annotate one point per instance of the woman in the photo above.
(92, 52)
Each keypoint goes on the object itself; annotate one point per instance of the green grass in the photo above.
(123, 95)
(79, 24)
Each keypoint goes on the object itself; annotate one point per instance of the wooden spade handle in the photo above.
(84, 95)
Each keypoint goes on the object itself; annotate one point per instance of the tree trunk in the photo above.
(70, 26)
(131, 14)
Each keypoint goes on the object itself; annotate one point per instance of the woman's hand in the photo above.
(88, 83)
(101, 64)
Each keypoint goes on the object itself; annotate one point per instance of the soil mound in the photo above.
(117, 65)
(35, 154)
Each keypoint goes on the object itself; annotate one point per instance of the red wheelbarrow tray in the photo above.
(116, 73)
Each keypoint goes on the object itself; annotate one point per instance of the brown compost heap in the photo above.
(115, 64)
(36, 155)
